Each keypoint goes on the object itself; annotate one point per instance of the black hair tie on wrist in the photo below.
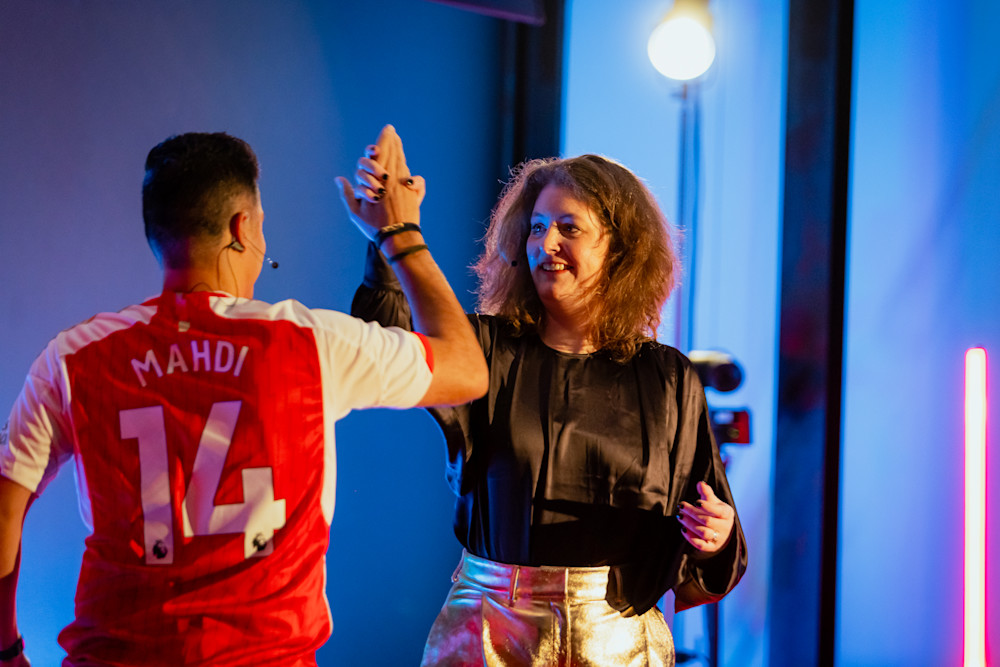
(391, 230)
(14, 650)
(405, 252)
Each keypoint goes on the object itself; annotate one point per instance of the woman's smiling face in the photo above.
(566, 249)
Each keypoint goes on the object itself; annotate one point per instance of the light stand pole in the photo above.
(688, 190)
(682, 48)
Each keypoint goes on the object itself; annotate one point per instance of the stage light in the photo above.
(975, 507)
(681, 47)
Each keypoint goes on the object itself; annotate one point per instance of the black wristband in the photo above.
(408, 251)
(14, 650)
(398, 228)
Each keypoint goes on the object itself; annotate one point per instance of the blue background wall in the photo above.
(87, 88)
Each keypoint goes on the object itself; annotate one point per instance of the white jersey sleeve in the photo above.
(37, 437)
(375, 366)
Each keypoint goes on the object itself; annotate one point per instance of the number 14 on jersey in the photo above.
(257, 517)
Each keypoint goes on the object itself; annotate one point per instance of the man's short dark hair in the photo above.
(190, 181)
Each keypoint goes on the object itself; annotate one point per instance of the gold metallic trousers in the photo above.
(514, 616)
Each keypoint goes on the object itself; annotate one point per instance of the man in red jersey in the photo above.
(201, 424)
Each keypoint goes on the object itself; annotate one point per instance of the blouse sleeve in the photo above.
(380, 299)
(704, 578)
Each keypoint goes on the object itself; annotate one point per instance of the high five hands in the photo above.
(707, 524)
(384, 192)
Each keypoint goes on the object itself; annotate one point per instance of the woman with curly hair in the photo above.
(588, 480)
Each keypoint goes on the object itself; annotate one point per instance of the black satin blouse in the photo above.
(577, 460)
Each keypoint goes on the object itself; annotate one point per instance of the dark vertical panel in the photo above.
(810, 356)
(532, 88)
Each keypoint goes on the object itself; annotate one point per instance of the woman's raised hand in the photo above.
(384, 192)
(707, 525)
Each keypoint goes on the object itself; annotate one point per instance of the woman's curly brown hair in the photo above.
(638, 272)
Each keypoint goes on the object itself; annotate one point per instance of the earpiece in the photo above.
(238, 247)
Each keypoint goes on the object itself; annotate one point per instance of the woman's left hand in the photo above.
(707, 525)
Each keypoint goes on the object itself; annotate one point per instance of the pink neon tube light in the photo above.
(975, 507)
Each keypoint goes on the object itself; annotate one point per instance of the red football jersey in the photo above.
(202, 427)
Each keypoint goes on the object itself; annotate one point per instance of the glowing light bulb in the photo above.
(681, 48)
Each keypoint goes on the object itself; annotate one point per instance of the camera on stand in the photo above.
(720, 371)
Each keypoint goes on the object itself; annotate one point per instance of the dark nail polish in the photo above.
(381, 191)
(409, 181)
(385, 176)
(376, 197)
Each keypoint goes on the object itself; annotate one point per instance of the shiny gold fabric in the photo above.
(500, 615)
